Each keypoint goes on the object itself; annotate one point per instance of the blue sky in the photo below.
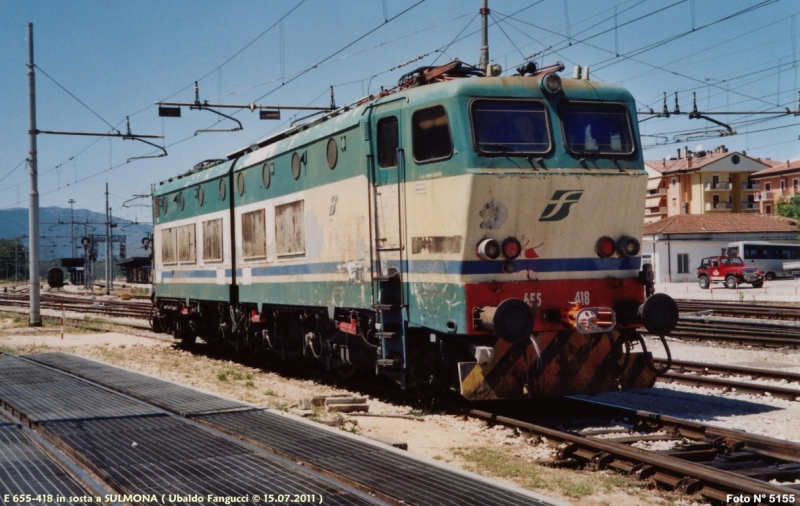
(118, 58)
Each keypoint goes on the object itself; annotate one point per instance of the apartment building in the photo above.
(702, 182)
(776, 183)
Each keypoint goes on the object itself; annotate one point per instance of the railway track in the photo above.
(746, 334)
(120, 309)
(702, 459)
(714, 462)
(739, 309)
(732, 378)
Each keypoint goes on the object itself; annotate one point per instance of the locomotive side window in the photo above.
(290, 235)
(240, 183)
(254, 235)
(169, 245)
(388, 142)
(430, 132)
(187, 246)
(501, 127)
(212, 240)
(596, 129)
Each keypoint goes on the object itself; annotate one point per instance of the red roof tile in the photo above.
(777, 169)
(673, 166)
(720, 223)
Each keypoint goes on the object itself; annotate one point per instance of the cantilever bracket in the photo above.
(130, 137)
(205, 107)
(697, 115)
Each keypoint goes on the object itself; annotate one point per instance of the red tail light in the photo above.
(511, 248)
(605, 247)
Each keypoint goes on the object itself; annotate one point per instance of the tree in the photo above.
(12, 259)
(790, 208)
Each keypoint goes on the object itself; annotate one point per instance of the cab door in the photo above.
(388, 196)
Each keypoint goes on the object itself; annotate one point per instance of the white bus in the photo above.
(769, 257)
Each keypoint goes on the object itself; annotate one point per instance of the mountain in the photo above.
(55, 231)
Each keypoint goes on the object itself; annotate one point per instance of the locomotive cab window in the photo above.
(430, 133)
(502, 127)
(596, 129)
(388, 142)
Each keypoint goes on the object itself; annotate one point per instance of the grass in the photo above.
(574, 484)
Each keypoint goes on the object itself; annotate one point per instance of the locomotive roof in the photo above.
(350, 116)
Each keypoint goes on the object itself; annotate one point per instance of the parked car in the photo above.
(731, 271)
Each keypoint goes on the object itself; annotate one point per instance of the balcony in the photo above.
(717, 186)
(749, 205)
(751, 187)
(656, 192)
(765, 195)
(655, 211)
(719, 206)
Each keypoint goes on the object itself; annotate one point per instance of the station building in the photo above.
(675, 245)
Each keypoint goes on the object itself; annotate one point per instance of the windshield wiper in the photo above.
(496, 146)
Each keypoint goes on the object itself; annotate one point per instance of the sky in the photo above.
(100, 62)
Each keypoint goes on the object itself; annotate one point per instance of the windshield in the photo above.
(510, 126)
(596, 129)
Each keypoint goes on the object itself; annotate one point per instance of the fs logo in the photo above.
(558, 207)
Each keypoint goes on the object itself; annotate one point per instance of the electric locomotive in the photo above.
(466, 231)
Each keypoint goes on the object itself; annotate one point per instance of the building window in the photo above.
(767, 209)
(674, 201)
(794, 184)
(783, 184)
(683, 263)
(674, 181)
(767, 186)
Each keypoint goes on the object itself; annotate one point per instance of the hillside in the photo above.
(55, 230)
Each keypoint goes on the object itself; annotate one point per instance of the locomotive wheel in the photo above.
(184, 333)
(298, 361)
(348, 371)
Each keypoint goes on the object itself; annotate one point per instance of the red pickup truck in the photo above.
(729, 270)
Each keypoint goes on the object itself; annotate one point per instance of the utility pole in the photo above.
(33, 214)
(71, 229)
(108, 245)
(484, 63)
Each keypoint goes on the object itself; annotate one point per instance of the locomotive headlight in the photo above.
(488, 249)
(605, 247)
(511, 248)
(551, 83)
(628, 246)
